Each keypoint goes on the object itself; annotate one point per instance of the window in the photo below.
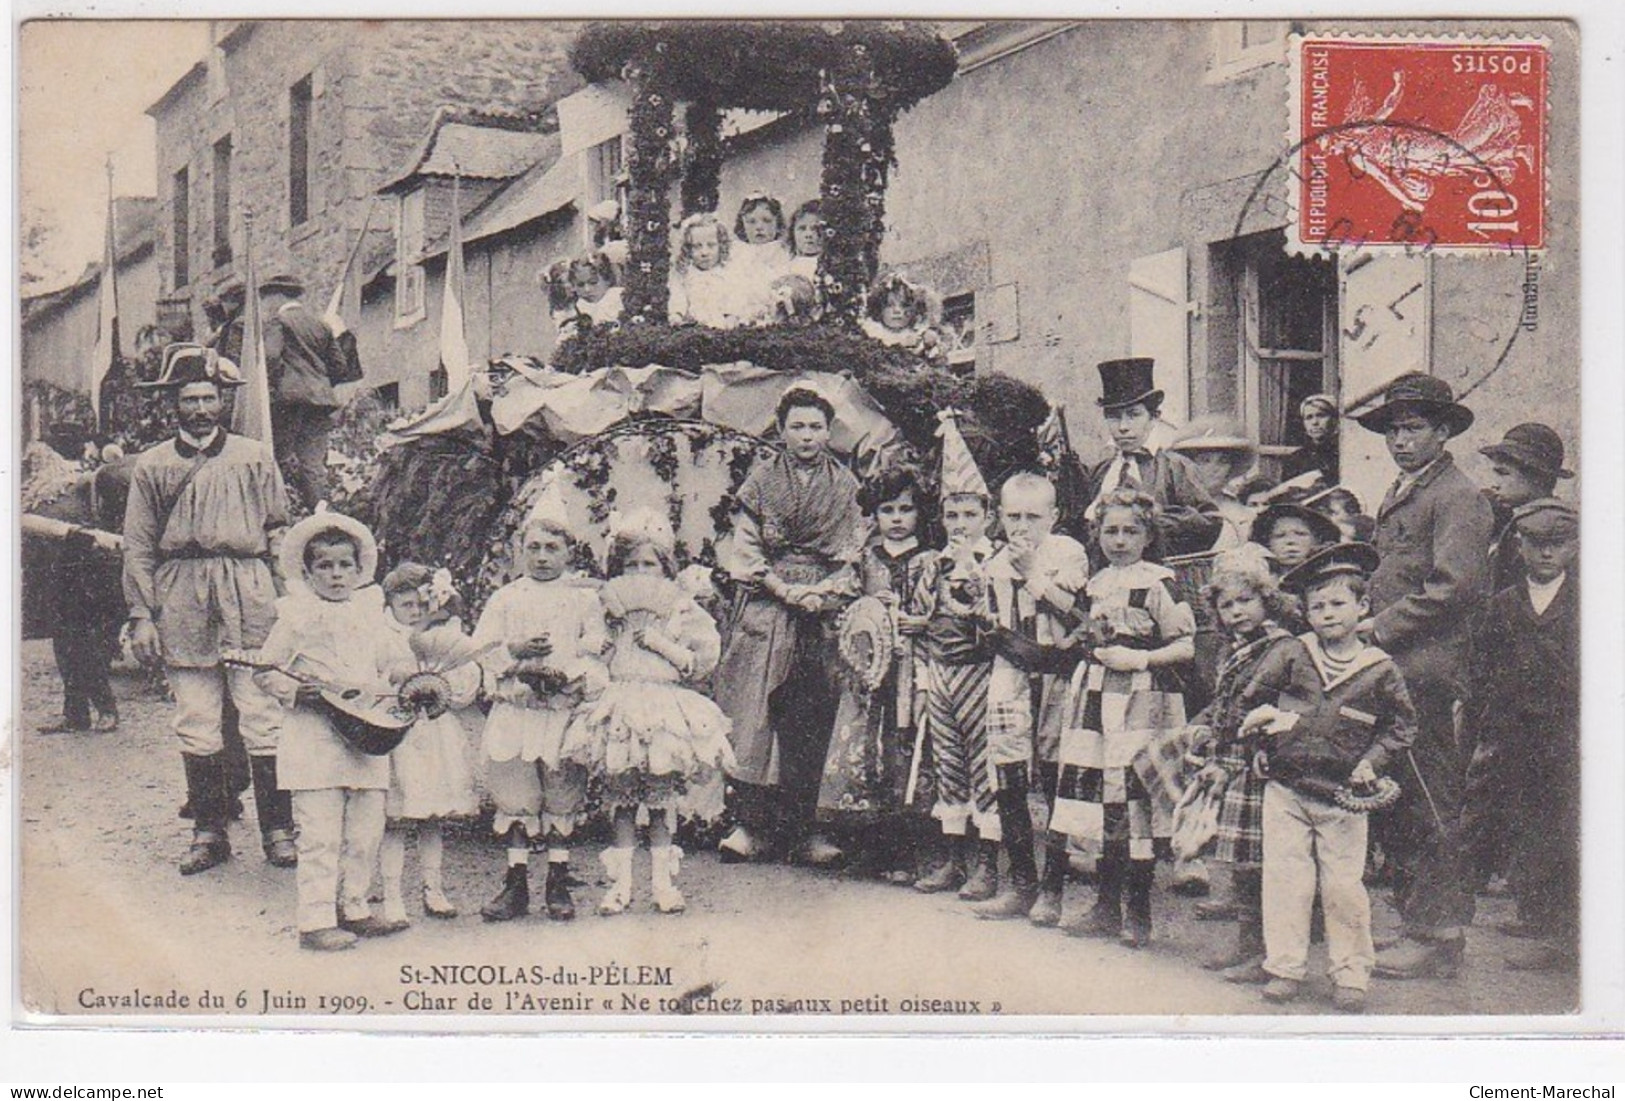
(1241, 45)
(409, 243)
(604, 163)
(959, 332)
(439, 383)
(181, 228)
(222, 202)
(1287, 346)
(299, 98)
(388, 395)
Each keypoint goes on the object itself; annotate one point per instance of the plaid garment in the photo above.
(1240, 839)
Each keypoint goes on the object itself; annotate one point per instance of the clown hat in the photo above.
(643, 525)
(549, 510)
(960, 475)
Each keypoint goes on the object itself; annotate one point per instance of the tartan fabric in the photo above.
(1240, 840)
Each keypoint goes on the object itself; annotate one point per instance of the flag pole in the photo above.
(252, 414)
(106, 354)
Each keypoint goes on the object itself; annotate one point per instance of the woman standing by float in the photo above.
(797, 532)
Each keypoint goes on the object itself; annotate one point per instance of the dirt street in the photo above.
(104, 914)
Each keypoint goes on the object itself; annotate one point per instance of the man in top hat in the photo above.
(1188, 519)
(1525, 711)
(1433, 534)
(1525, 466)
(204, 511)
(302, 357)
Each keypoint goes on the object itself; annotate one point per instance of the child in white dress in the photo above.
(430, 778)
(805, 240)
(702, 288)
(658, 746)
(900, 316)
(758, 256)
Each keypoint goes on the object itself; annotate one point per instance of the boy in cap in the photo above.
(302, 357)
(1525, 708)
(1525, 466)
(1333, 711)
(1188, 520)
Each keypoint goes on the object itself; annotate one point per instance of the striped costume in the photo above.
(1111, 717)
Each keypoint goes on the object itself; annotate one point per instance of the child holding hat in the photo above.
(1333, 711)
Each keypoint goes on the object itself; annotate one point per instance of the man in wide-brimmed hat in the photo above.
(1525, 466)
(1433, 535)
(204, 511)
(1188, 519)
(302, 357)
(1223, 453)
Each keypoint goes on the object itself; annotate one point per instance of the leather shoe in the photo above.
(372, 926)
(1046, 912)
(739, 846)
(1281, 990)
(1539, 957)
(1010, 903)
(326, 940)
(1348, 999)
(1251, 973)
(106, 723)
(209, 849)
(1414, 959)
(1098, 921)
(280, 849)
(65, 726)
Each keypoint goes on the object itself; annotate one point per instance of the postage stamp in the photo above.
(1437, 143)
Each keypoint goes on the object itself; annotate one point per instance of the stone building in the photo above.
(299, 123)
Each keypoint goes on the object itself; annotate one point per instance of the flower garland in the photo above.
(859, 150)
(651, 165)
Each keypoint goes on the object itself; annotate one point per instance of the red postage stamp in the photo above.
(1419, 143)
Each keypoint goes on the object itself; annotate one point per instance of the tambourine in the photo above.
(868, 640)
(1379, 794)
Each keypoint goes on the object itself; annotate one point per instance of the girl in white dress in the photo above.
(758, 256)
(702, 288)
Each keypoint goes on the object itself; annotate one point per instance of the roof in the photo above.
(548, 187)
(480, 145)
(188, 78)
(134, 219)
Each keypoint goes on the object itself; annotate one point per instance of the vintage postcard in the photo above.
(858, 524)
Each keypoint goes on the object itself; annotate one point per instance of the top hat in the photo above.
(1324, 528)
(1125, 382)
(1416, 392)
(1547, 520)
(187, 363)
(282, 284)
(1358, 559)
(1532, 447)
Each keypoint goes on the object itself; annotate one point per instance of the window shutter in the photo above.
(1384, 325)
(1159, 312)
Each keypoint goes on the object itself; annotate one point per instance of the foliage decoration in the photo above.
(702, 158)
(652, 166)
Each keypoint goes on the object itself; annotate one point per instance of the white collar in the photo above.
(198, 444)
(1330, 678)
(1541, 595)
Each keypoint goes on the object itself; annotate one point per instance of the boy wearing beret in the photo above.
(1333, 711)
(1525, 707)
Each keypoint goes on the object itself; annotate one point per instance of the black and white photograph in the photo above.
(867, 522)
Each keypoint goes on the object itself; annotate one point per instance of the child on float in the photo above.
(561, 300)
(547, 631)
(757, 256)
(900, 314)
(703, 291)
(330, 629)
(1125, 696)
(1248, 604)
(1332, 711)
(430, 778)
(805, 240)
(1035, 586)
(657, 745)
(878, 784)
(598, 297)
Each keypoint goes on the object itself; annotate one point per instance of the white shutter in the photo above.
(1384, 329)
(1159, 312)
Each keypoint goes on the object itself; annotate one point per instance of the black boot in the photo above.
(1047, 910)
(983, 881)
(513, 901)
(1016, 823)
(950, 874)
(1137, 934)
(275, 810)
(1105, 919)
(560, 906)
(206, 791)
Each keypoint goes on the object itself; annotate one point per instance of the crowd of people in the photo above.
(1339, 693)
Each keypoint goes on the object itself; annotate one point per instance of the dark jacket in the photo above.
(1189, 519)
(301, 357)
(1434, 542)
(1365, 715)
(1525, 671)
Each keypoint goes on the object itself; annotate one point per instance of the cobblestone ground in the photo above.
(105, 914)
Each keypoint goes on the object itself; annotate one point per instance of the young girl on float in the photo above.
(805, 240)
(561, 300)
(430, 778)
(598, 298)
(1123, 698)
(757, 256)
(702, 288)
(900, 316)
(658, 746)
